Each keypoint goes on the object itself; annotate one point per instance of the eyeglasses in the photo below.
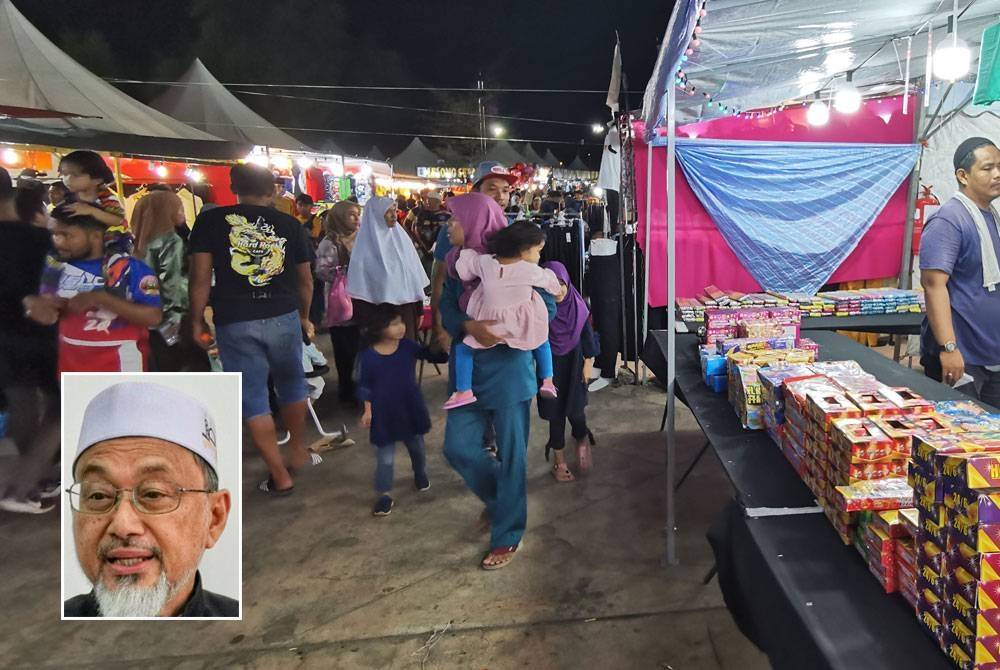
(149, 497)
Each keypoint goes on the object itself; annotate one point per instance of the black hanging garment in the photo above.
(604, 288)
(634, 301)
(564, 243)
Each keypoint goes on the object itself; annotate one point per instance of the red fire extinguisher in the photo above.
(919, 216)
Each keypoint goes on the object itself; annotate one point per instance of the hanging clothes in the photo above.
(566, 243)
(604, 286)
(192, 205)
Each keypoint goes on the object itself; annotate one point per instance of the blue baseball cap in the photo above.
(492, 170)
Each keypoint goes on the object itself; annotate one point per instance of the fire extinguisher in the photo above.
(925, 200)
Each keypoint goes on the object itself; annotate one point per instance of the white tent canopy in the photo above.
(531, 156)
(415, 155)
(200, 100)
(761, 53)
(550, 159)
(36, 74)
(502, 152)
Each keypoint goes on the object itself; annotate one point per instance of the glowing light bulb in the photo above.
(161, 171)
(9, 156)
(818, 114)
(847, 100)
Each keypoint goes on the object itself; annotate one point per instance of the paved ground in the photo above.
(326, 585)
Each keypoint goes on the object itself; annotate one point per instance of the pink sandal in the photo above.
(460, 399)
(561, 473)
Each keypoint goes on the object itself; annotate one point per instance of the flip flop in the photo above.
(506, 554)
(267, 486)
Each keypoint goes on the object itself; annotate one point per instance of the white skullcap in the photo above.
(141, 409)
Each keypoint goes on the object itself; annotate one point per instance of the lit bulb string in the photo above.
(683, 83)
(410, 109)
(378, 132)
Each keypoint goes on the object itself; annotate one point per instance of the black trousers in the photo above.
(346, 342)
(557, 430)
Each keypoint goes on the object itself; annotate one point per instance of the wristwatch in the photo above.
(950, 347)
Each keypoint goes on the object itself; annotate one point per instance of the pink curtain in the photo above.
(705, 257)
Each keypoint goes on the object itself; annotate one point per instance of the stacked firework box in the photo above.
(831, 303)
(884, 542)
(956, 488)
(731, 323)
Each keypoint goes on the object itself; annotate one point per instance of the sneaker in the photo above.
(26, 506)
(49, 488)
(383, 506)
(421, 482)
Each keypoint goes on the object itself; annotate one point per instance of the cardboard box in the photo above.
(826, 408)
(977, 506)
(873, 403)
(909, 401)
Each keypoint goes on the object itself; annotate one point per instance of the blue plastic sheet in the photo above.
(792, 212)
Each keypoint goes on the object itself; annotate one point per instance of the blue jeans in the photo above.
(386, 454)
(260, 348)
(465, 357)
(501, 482)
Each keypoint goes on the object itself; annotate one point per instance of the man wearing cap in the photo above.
(424, 223)
(492, 179)
(960, 273)
(146, 505)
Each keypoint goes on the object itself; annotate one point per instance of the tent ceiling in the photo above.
(761, 53)
(415, 155)
(200, 100)
(37, 74)
(502, 152)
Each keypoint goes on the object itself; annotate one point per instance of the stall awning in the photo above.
(758, 54)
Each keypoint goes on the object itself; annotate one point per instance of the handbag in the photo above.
(339, 309)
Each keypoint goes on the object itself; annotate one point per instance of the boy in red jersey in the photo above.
(99, 331)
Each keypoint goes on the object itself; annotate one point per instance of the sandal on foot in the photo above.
(502, 556)
(584, 459)
(561, 473)
(267, 486)
(460, 399)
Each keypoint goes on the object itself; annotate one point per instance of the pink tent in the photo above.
(705, 254)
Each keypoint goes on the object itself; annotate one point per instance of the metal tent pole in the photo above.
(671, 528)
(649, 214)
(906, 263)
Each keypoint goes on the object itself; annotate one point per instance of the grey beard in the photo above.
(129, 600)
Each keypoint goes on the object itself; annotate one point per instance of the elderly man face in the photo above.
(128, 553)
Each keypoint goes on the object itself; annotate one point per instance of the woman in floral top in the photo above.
(334, 254)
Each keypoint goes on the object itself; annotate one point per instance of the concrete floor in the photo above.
(326, 585)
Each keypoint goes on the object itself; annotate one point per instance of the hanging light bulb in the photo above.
(161, 171)
(952, 59)
(848, 98)
(818, 114)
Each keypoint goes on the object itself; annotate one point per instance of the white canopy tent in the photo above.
(415, 155)
(756, 54)
(502, 152)
(531, 156)
(200, 100)
(38, 75)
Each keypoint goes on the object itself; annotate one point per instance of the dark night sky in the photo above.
(521, 44)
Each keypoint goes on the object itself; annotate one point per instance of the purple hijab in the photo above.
(571, 314)
(480, 217)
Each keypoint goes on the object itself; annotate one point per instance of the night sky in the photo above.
(433, 43)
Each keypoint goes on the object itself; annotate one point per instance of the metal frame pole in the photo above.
(906, 263)
(671, 528)
(649, 214)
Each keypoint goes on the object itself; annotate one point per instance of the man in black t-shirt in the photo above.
(260, 301)
(423, 225)
(27, 365)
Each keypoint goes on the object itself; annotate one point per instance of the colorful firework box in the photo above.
(874, 495)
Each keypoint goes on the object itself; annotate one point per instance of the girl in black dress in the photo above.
(573, 350)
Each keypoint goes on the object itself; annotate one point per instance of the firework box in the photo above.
(880, 546)
(930, 580)
(930, 554)
(983, 538)
(977, 506)
(753, 344)
(863, 441)
(978, 648)
(873, 403)
(935, 526)
(909, 401)
(890, 522)
(825, 408)
(884, 494)
(932, 451)
(930, 610)
(909, 519)
(974, 470)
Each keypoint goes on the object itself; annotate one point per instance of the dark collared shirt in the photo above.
(202, 603)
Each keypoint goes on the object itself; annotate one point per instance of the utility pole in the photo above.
(482, 117)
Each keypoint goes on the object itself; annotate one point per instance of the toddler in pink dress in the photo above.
(506, 294)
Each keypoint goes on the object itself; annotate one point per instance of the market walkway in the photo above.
(326, 585)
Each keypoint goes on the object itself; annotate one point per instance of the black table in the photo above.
(907, 323)
(795, 590)
(809, 601)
